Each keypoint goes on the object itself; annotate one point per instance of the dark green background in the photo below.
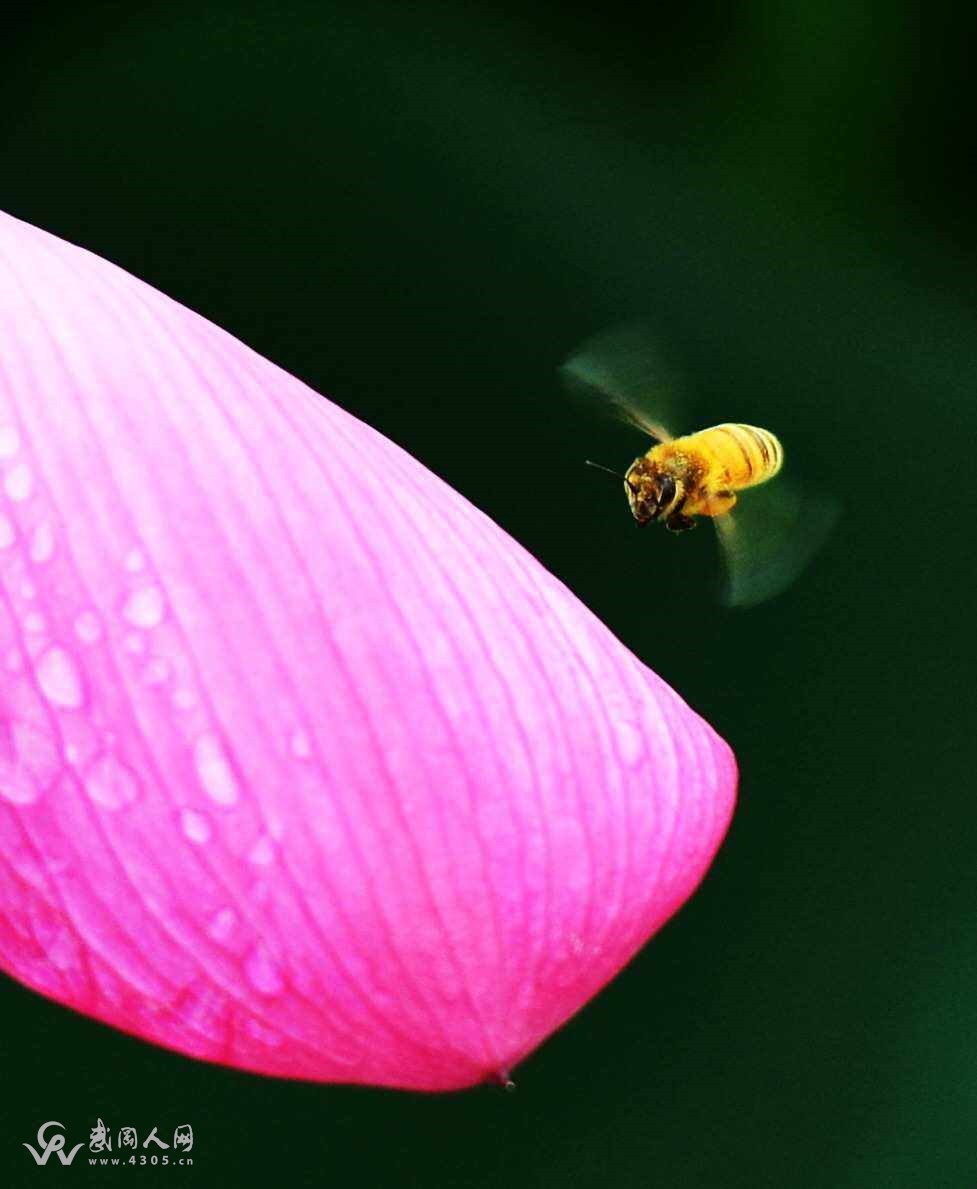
(420, 209)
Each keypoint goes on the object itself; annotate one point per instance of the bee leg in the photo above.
(677, 523)
(720, 503)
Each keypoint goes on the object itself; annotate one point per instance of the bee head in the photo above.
(651, 492)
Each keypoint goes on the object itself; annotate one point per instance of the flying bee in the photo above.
(699, 474)
(774, 531)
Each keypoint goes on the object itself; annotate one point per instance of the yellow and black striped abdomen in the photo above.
(747, 454)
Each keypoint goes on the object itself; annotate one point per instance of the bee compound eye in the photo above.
(666, 493)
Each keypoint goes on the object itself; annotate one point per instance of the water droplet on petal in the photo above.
(184, 699)
(29, 761)
(204, 1010)
(59, 679)
(629, 742)
(262, 1033)
(17, 785)
(19, 483)
(195, 826)
(222, 924)
(343, 1054)
(7, 533)
(111, 783)
(63, 950)
(9, 441)
(35, 622)
(145, 608)
(262, 853)
(88, 627)
(42, 543)
(263, 972)
(134, 561)
(301, 747)
(157, 672)
(216, 774)
(82, 744)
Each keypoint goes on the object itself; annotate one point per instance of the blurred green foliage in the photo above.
(420, 209)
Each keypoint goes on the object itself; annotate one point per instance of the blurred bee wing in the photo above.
(770, 537)
(624, 368)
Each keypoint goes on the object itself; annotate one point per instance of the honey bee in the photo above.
(699, 474)
(773, 533)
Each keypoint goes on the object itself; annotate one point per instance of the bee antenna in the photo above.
(600, 467)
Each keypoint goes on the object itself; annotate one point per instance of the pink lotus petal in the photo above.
(305, 766)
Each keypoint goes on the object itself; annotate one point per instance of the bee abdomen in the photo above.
(752, 455)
